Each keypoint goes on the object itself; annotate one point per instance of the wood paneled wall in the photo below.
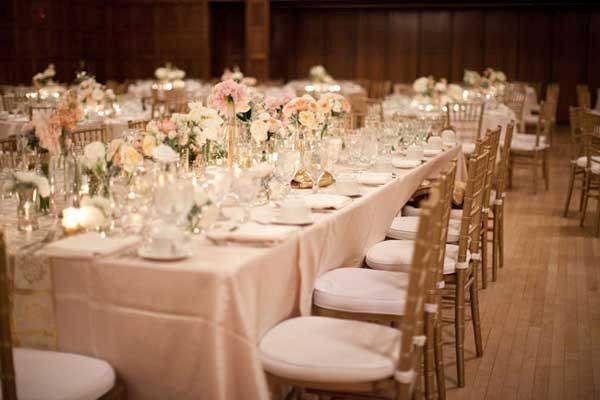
(395, 40)
(402, 43)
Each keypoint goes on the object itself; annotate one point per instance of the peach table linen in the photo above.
(189, 329)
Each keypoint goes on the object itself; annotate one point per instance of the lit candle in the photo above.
(70, 221)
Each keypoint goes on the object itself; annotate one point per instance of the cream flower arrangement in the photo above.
(471, 79)
(94, 97)
(169, 73)
(318, 74)
(28, 180)
(44, 78)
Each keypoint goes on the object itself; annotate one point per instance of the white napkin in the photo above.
(254, 233)
(405, 163)
(90, 244)
(431, 152)
(322, 201)
(374, 178)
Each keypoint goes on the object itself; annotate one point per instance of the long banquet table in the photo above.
(189, 329)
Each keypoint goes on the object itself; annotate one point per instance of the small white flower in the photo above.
(94, 154)
(164, 154)
(259, 130)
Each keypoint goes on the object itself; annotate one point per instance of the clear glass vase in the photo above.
(64, 180)
(27, 214)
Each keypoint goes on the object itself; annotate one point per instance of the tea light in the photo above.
(71, 220)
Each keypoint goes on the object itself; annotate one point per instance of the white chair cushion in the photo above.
(48, 375)
(527, 146)
(527, 137)
(531, 119)
(396, 255)
(410, 211)
(320, 349)
(582, 161)
(405, 228)
(468, 147)
(362, 290)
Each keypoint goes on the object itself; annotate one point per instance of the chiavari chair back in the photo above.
(137, 124)
(35, 109)
(82, 137)
(584, 98)
(8, 144)
(465, 118)
(9, 160)
(503, 166)
(514, 98)
(9, 102)
(591, 144)
(576, 129)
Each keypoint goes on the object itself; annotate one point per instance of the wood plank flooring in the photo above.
(541, 319)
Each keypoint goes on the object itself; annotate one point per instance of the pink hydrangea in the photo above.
(229, 97)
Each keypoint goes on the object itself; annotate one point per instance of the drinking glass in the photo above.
(334, 149)
(354, 146)
(286, 166)
(314, 167)
(247, 186)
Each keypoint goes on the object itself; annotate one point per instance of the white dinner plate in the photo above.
(148, 254)
(375, 178)
(323, 201)
(405, 163)
(431, 152)
(308, 220)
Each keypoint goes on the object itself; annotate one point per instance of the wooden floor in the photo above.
(541, 319)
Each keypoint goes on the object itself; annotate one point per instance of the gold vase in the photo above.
(302, 179)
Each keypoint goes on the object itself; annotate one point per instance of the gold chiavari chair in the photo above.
(584, 98)
(497, 203)
(532, 150)
(578, 162)
(137, 124)
(9, 160)
(9, 102)
(514, 98)
(375, 296)
(35, 109)
(325, 355)
(462, 275)
(81, 137)
(465, 118)
(29, 372)
(591, 188)
(490, 144)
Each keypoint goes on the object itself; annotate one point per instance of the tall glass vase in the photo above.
(27, 214)
(64, 179)
(230, 133)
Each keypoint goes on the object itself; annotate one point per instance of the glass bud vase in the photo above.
(27, 217)
(64, 180)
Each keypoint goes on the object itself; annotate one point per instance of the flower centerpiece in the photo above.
(318, 74)
(429, 93)
(494, 77)
(100, 164)
(196, 133)
(230, 98)
(332, 106)
(44, 78)
(471, 79)
(170, 77)
(30, 188)
(237, 76)
(95, 98)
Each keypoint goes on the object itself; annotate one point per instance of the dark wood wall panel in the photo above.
(500, 41)
(436, 44)
(403, 45)
(467, 43)
(371, 44)
(341, 36)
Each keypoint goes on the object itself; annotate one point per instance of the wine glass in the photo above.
(334, 149)
(286, 166)
(247, 185)
(314, 166)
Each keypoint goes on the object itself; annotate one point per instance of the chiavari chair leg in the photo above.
(570, 190)
(598, 216)
(484, 250)
(439, 359)
(500, 222)
(534, 172)
(475, 318)
(584, 194)
(545, 169)
(429, 364)
(495, 232)
(459, 327)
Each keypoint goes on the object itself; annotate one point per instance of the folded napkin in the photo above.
(405, 162)
(90, 244)
(254, 233)
(322, 201)
(375, 178)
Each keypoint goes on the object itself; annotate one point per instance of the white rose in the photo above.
(130, 159)
(94, 154)
(211, 132)
(164, 154)
(440, 86)
(172, 134)
(161, 73)
(184, 138)
(259, 130)
(148, 145)
(307, 119)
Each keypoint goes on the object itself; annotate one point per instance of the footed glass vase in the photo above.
(27, 214)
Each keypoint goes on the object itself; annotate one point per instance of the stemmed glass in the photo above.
(247, 185)
(287, 164)
(334, 148)
(219, 186)
(315, 160)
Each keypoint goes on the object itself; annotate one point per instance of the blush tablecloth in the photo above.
(189, 329)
